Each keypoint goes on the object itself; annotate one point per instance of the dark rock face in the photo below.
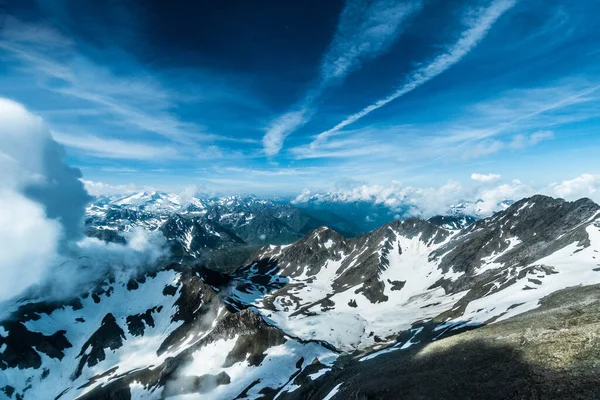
(252, 348)
(397, 285)
(8, 391)
(452, 222)
(255, 337)
(138, 322)
(263, 221)
(363, 258)
(197, 307)
(23, 346)
(537, 221)
(199, 232)
(108, 336)
(263, 228)
(540, 224)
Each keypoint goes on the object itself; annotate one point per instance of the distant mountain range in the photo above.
(199, 229)
(505, 307)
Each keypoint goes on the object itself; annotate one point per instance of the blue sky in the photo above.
(276, 97)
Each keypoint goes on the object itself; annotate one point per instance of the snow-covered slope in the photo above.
(163, 334)
(292, 310)
(358, 293)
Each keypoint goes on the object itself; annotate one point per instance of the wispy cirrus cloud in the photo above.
(490, 146)
(355, 146)
(520, 141)
(136, 103)
(478, 23)
(116, 148)
(273, 172)
(364, 31)
(514, 120)
(281, 128)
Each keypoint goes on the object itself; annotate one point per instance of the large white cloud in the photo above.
(32, 164)
(29, 239)
(28, 243)
(42, 206)
(586, 185)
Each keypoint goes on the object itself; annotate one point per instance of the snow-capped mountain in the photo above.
(163, 334)
(290, 321)
(151, 201)
(343, 291)
(279, 220)
(197, 227)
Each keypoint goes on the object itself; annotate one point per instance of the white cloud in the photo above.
(426, 202)
(115, 148)
(280, 129)
(272, 172)
(586, 185)
(489, 200)
(483, 148)
(478, 130)
(187, 195)
(41, 199)
(478, 24)
(349, 147)
(522, 141)
(90, 259)
(486, 147)
(105, 189)
(485, 177)
(22, 263)
(42, 206)
(138, 102)
(32, 164)
(476, 199)
(364, 31)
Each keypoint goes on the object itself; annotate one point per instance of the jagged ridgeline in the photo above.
(503, 307)
(219, 232)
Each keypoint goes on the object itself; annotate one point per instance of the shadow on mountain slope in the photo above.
(552, 352)
(474, 370)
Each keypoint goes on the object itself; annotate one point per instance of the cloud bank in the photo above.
(42, 206)
(488, 196)
(586, 185)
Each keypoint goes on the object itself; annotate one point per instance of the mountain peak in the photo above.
(542, 206)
